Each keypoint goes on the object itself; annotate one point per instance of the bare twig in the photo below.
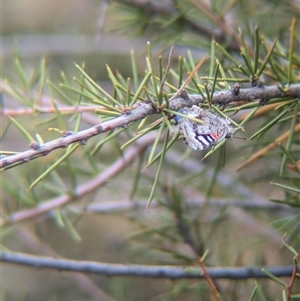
(168, 272)
(167, 71)
(289, 287)
(208, 278)
(180, 90)
(292, 281)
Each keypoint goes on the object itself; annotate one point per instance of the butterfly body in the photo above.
(198, 136)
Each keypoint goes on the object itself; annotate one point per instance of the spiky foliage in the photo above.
(250, 79)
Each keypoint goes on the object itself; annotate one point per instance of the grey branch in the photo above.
(145, 109)
(168, 272)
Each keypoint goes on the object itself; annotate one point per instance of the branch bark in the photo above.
(144, 109)
(168, 272)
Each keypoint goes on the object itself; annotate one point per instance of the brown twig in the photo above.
(188, 79)
(289, 287)
(167, 71)
(208, 278)
(266, 149)
(263, 111)
(293, 278)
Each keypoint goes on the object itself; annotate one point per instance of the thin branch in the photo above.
(185, 83)
(167, 71)
(254, 201)
(145, 109)
(81, 137)
(82, 281)
(128, 157)
(267, 148)
(47, 107)
(293, 278)
(43, 109)
(208, 278)
(37, 45)
(168, 272)
(123, 206)
(242, 216)
(289, 287)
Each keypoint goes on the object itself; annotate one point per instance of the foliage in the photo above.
(249, 76)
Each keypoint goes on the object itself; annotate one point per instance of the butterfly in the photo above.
(199, 136)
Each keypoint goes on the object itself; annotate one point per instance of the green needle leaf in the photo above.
(22, 129)
(158, 171)
(54, 166)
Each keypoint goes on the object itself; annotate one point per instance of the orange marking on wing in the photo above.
(214, 135)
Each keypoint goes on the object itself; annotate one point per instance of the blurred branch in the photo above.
(82, 281)
(295, 275)
(266, 149)
(192, 165)
(115, 206)
(43, 109)
(46, 106)
(203, 30)
(169, 272)
(59, 44)
(128, 157)
(221, 97)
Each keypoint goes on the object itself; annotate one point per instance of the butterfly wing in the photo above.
(200, 136)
